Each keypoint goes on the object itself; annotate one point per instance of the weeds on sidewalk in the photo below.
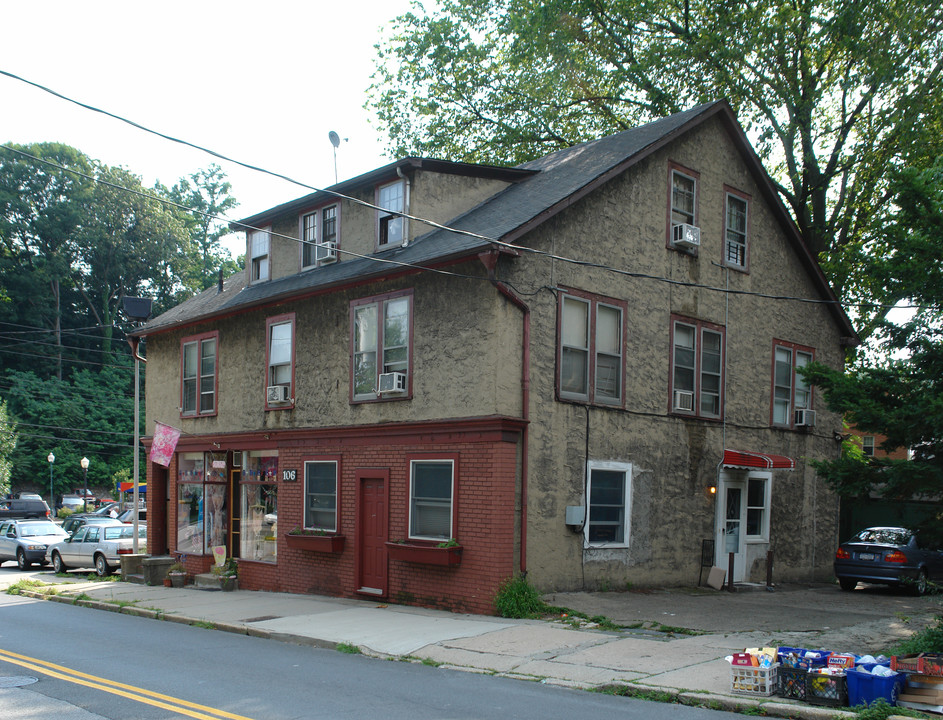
(348, 648)
(19, 586)
(928, 640)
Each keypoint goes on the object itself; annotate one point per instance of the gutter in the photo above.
(490, 260)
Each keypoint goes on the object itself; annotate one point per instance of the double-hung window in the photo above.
(609, 489)
(382, 334)
(431, 493)
(682, 200)
(790, 390)
(391, 199)
(198, 375)
(591, 358)
(260, 248)
(735, 229)
(319, 236)
(697, 368)
(758, 489)
(280, 360)
(320, 512)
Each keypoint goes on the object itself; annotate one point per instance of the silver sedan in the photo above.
(98, 546)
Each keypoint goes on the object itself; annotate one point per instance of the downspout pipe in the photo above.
(408, 182)
(490, 261)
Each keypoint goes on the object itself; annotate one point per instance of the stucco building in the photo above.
(581, 367)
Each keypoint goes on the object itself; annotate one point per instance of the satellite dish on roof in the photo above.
(334, 138)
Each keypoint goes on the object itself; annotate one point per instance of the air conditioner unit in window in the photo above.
(683, 400)
(686, 236)
(276, 394)
(391, 383)
(326, 252)
(804, 418)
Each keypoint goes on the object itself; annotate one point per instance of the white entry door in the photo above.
(730, 524)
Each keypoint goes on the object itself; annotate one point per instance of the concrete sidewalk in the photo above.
(565, 651)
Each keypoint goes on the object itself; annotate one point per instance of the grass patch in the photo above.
(19, 586)
(348, 648)
(928, 640)
(81, 596)
(880, 710)
(205, 624)
(123, 603)
(638, 693)
(517, 598)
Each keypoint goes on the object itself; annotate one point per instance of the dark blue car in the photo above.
(888, 556)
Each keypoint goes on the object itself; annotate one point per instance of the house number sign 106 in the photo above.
(289, 475)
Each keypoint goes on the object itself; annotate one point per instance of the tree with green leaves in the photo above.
(8, 439)
(207, 194)
(900, 395)
(833, 93)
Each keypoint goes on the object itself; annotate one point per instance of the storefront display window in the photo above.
(259, 515)
(201, 502)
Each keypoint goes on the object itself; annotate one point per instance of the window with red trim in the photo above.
(198, 374)
(790, 391)
(381, 347)
(697, 368)
(591, 356)
(280, 361)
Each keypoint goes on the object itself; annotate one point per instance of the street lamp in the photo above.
(84, 463)
(52, 500)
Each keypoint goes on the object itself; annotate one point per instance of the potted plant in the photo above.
(227, 573)
(448, 553)
(315, 540)
(177, 574)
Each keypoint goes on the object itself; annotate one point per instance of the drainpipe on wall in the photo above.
(490, 261)
(408, 183)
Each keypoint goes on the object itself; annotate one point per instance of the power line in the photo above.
(426, 221)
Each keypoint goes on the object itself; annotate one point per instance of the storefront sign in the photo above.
(289, 475)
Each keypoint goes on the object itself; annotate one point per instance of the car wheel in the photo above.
(920, 584)
(101, 566)
(21, 562)
(847, 583)
(57, 565)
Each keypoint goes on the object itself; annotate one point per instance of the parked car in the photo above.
(889, 556)
(98, 546)
(26, 541)
(74, 522)
(17, 508)
(128, 516)
(28, 496)
(74, 503)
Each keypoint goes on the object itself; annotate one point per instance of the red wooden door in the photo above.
(372, 535)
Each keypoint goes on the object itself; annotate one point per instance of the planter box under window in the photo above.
(425, 554)
(316, 543)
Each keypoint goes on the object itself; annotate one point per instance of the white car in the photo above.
(98, 546)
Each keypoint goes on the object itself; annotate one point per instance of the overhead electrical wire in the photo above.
(426, 221)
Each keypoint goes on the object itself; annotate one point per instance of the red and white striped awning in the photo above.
(753, 460)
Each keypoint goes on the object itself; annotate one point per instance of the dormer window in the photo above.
(319, 237)
(260, 248)
(390, 223)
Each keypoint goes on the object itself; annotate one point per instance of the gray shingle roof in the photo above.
(558, 180)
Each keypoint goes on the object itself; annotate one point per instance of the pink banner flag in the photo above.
(165, 442)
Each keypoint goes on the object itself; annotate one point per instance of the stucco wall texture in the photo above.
(469, 361)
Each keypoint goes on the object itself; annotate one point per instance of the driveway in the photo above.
(867, 619)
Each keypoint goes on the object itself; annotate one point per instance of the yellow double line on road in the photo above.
(201, 712)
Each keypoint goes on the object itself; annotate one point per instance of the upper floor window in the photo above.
(392, 199)
(319, 236)
(735, 229)
(431, 489)
(682, 207)
(790, 391)
(260, 248)
(198, 374)
(280, 360)
(320, 511)
(591, 359)
(867, 445)
(697, 363)
(382, 335)
(609, 487)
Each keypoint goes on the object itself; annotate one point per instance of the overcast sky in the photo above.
(263, 83)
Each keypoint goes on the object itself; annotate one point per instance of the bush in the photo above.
(929, 640)
(517, 598)
(64, 512)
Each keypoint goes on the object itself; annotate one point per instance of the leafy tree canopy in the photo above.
(833, 93)
(901, 397)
